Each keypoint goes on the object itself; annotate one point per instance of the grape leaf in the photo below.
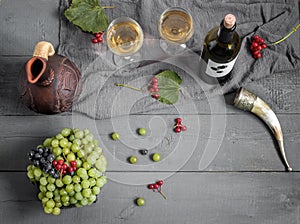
(169, 86)
(88, 15)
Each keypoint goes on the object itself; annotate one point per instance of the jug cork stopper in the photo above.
(43, 49)
(229, 21)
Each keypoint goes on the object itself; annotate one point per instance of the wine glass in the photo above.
(124, 38)
(175, 28)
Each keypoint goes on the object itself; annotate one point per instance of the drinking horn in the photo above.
(248, 101)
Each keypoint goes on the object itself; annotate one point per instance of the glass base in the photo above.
(172, 48)
(124, 60)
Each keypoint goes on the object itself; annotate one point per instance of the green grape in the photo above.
(104, 179)
(96, 190)
(84, 202)
(69, 188)
(49, 194)
(142, 131)
(78, 196)
(140, 201)
(66, 151)
(50, 204)
(76, 179)
(43, 188)
(41, 195)
(59, 136)
(95, 142)
(91, 159)
(48, 210)
(86, 165)
(63, 142)
(85, 184)
(55, 143)
(66, 204)
(73, 200)
(67, 179)
(92, 198)
(71, 156)
(50, 180)
(75, 130)
(57, 198)
(86, 132)
(65, 198)
(79, 134)
(84, 141)
(92, 181)
(63, 192)
(59, 158)
(30, 175)
(78, 205)
(29, 167)
(115, 136)
(43, 181)
(59, 183)
(44, 200)
(58, 204)
(81, 172)
(72, 138)
(56, 211)
(88, 148)
(47, 142)
(72, 193)
(133, 159)
(75, 148)
(77, 142)
(89, 137)
(56, 192)
(50, 187)
(86, 192)
(66, 132)
(78, 163)
(98, 150)
(101, 163)
(92, 172)
(56, 151)
(81, 154)
(37, 172)
(156, 157)
(100, 182)
(77, 187)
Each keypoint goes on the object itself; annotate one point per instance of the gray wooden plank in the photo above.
(265, 198)
(282, 94)
(24, 23)
(245, 144)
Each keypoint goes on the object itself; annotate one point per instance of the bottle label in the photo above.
(217, 70)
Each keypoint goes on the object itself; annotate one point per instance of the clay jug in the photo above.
(50, 83)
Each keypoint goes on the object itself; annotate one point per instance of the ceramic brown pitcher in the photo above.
(50, 83)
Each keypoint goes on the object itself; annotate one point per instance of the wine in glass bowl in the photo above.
(124, 36)
(176, 25)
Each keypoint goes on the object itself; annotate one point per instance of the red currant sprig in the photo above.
(257, 45)
(154, 88)
(63, 167)
(156, 187)
(178, 127)
(98, 38)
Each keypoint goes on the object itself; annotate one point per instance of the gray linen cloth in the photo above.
(101, 99)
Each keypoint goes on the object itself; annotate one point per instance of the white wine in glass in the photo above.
(175, 27)
(124, 38)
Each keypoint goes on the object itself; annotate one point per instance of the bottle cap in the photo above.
(229, 21)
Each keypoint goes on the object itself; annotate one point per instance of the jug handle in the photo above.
(43, 49)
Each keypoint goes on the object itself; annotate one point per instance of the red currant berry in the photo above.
(64, 166)
(256, 37)
(261, 41)
(97, 35)
(95, 40)
(64, 172)
(70, 169)
(177, 130)
(154, 80)
(54, 163)
(258, 48)
(154, 85)
(254, 44)
(155, 96)
(178, 120)
(58, 166)
(60, 162)
(74, 168)
(100, 39)
(73, 163)
(160, 182)
(151, 186)
(155, 186)
(263, 46)
(183, 128)
(155, 90)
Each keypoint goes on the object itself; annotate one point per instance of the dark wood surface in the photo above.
(245, 183)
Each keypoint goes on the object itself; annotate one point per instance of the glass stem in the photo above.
(287, 36)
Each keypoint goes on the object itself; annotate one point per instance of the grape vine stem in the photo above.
(287, 36)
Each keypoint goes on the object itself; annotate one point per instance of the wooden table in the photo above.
(245, 183)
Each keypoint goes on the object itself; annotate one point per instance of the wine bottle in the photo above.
(220, 51)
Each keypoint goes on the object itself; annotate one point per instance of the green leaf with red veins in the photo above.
(168, 86)
(89, 15)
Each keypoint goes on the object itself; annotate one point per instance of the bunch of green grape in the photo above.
(77, 188)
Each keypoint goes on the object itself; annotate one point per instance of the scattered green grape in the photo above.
(115, 136)
(156, 157)
(140, 201)
(142, 131)
(133, 159)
